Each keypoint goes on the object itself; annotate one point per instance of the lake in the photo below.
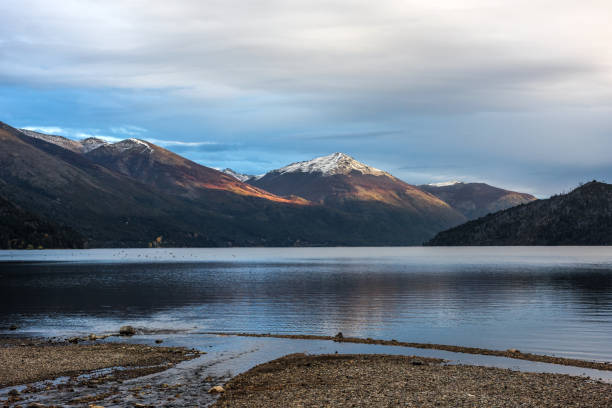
(551, 300)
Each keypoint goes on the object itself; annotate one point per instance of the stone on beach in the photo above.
(217, 389)
(127, 331)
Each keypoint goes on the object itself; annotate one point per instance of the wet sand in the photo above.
(385, 381)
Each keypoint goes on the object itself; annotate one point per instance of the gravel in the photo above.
(390, 381)
(26, 361)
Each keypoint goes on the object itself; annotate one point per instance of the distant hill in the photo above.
(475, 200)
(581, 217)
(339, 181)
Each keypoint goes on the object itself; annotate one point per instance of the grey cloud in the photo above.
(501, 89)
(362, 58)
(353, 135)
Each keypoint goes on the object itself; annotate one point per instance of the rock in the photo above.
(73, 340)
(13, 393)
(339, 335)
(93, 337)
(217, 389)
(96, 406)
(127, 331)
(159, 341)
(36, 405)
(13, 327)
(513, 351)
(417, 363)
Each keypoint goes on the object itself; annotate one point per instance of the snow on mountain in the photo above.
(92, 143)
(61, 141)
(238, 176)
(336, 163)
(445, 183)
(130, 144)
(77, 146)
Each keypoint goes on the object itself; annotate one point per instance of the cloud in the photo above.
(182, 147)
(131, 131)
(128, 130)
(50, 130)
(376, 134)
(504, 90)
(368, 59)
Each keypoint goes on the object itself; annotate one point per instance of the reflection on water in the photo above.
(553, 301)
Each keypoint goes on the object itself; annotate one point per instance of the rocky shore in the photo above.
(37, 362)
(29, 362)
(390, 381)
(85, 372)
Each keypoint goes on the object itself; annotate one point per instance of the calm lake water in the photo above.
(543, 300)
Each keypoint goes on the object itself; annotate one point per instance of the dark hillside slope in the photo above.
(20, 229)
(581, 217)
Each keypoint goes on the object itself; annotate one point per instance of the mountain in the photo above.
(581, 217)
(341, 182)
(134, 193)
(238, 176)
(155, 165)
(58, 184)
(338, 178)
(475, 200)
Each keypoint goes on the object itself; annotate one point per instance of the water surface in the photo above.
(544, 300)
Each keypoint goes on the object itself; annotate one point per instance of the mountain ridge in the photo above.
(475, 200)
(142, 203)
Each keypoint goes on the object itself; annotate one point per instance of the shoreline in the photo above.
(510, 353)
(126, 374)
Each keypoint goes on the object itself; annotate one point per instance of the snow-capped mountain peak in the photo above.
(92, 143)
(131, 143)
(445, 183)
(336, 163)
(236, 175)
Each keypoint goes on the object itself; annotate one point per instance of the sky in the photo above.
(515, 93)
